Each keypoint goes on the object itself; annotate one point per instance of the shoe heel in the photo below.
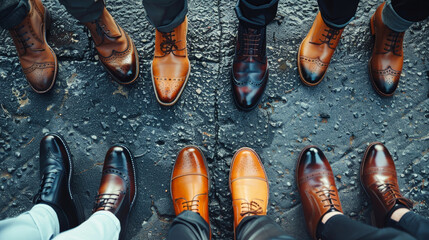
(371, 26)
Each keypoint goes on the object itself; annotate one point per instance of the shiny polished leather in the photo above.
(190, 183)
(38, 60)
(316, 50)
(116, 50)
(170, 65)
(118, 189)
(248, 184)
(316, 185)
(55, 173)
(378, 178)
(385, 65)
(249, 67)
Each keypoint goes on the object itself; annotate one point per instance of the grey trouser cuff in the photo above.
(337, 25)
(392, 20)
(13, 12)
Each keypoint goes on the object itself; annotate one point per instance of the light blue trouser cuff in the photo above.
(392, 20)
(337, 25)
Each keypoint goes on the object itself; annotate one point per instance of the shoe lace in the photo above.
(329, 200)
(105, 201)
(391, 194)
(250, 209)
(169, 45)
(23, 38)
(192, 205)
(393, 43)
(331, 34)
(45, 185)
(251, 42)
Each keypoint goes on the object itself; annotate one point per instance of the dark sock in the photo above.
(319, 230)
(62, 217)
(320, 225)
(389, 221)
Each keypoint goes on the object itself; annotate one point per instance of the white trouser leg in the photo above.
(40, 223)
(102, 225)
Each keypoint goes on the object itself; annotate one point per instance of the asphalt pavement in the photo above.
(342, 115)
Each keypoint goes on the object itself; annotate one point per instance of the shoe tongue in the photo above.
(109, 26)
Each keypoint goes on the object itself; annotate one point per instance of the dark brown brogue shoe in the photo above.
(379, 180)
(118, 189)
(316, 50)
(316, 185)
(249, 67)
(385, 65)
(56, 170)
(38, 60)
(190, 183)
(116, 50)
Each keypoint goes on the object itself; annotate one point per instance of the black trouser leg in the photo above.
(411, 10)
(256, 13)
(189, 226)
(84, 10)
(12, 12)
(165, 15)
(340, 227)
(338, 13)
(260, 228)
(414, 224)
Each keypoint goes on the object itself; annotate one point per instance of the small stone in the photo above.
(198, 91)
(17, 154)
(94, 137)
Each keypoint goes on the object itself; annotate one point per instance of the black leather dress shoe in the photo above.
(118, 189)
(250, 67)
(55, 174)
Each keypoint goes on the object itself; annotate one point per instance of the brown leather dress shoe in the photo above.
(118, 189)
(249, 67)
(316, 185)
(190, 183)
(248, 184)
(316, 50)
(385, 65)
(38, 60)
(378, 178)
(116, 50)
(170, 65)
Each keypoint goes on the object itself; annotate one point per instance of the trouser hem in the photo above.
(392, 20)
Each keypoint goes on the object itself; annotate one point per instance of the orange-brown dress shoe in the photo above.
(116, 50)
(385, 65)
(38, 60)
(316, 50)
(118, 189)
(316, 185)
(190, 183)
(378, 178)
(248, 184)
(170, 65)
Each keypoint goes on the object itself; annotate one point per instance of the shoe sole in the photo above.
(263, 168)
(178, 95)
(46, 25)
(136, 54)
(78, 206)
(208, 176)
(374, 86)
